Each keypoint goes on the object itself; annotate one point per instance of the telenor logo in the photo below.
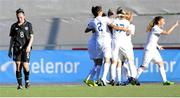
(5, 66)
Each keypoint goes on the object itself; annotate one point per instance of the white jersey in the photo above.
(120, 35)
(101, 25)
(92, 41)
(153, 38)
(103, 38)
(131, 32)
(94, 35)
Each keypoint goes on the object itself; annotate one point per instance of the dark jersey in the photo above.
(21, 34)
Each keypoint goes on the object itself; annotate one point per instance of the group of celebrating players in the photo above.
(110, 45)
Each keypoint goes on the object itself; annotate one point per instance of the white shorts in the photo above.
(150, 55)
(103, 49)
(92, 48)
(121, 57)
(121, 52)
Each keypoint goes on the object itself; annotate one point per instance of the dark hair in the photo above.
(104, 14)
(156, 19)
(110, 13)
(19, 11)
(120, 11)
(95, 10)
(153, 23)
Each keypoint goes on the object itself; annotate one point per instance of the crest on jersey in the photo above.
(16, 28)
(26, 28)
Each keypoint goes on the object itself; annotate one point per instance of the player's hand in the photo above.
(126, 30)
(176, 24)
(10, 54)
(160, 47)
(28, 49)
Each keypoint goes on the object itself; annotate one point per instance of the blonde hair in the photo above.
(129, 15)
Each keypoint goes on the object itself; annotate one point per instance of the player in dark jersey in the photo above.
(21, 34)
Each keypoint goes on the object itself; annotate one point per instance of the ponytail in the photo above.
(153, 23)
(95, 10)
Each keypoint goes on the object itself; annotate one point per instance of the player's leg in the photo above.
(106, 70)
(89, 79)
(163, 74)
(115, 56)
(125, 73)
(128, 53)
(19, 74)
(17, 59)
(107, 55)
(93, 55)
(158, 59)
(25, 59)
(113, 72)
(119, 70)
(98, 70)
(148, 56)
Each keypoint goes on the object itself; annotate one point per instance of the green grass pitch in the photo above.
(145, 90)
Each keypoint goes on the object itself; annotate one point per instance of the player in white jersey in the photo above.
(151, 52)
(125, 68)
(111, 14)
(103, 43)
(92, 54)
(131, 32)
(120, 47)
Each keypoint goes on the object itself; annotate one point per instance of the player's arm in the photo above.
(88, 30)
(30, 43)
(160, 47)
(118, 28)
(169, 31)
(11, 47)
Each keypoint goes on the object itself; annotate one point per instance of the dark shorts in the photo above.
(21, 56)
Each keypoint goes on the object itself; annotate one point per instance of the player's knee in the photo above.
(18, 66)
(107, 60)
(98, 61)
(161, 64)
(26, 66)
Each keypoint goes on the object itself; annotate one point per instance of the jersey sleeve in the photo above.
(131, 29)
(90, 25)
(11, 34)
(157, 30)
(30, 29)
(109, 21)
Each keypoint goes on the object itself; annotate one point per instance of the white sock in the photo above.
(133, 71)
(105, 71)
(139, 72)
(91, 74)
(98, 72)
(127, 71)
(163, 74)
(119, 74)
(113, 71)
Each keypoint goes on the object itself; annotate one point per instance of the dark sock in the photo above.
(26, 75)
(19, 77)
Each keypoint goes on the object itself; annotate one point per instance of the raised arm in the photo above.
(169, 31)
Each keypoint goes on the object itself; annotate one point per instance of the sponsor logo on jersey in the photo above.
(26, 28)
